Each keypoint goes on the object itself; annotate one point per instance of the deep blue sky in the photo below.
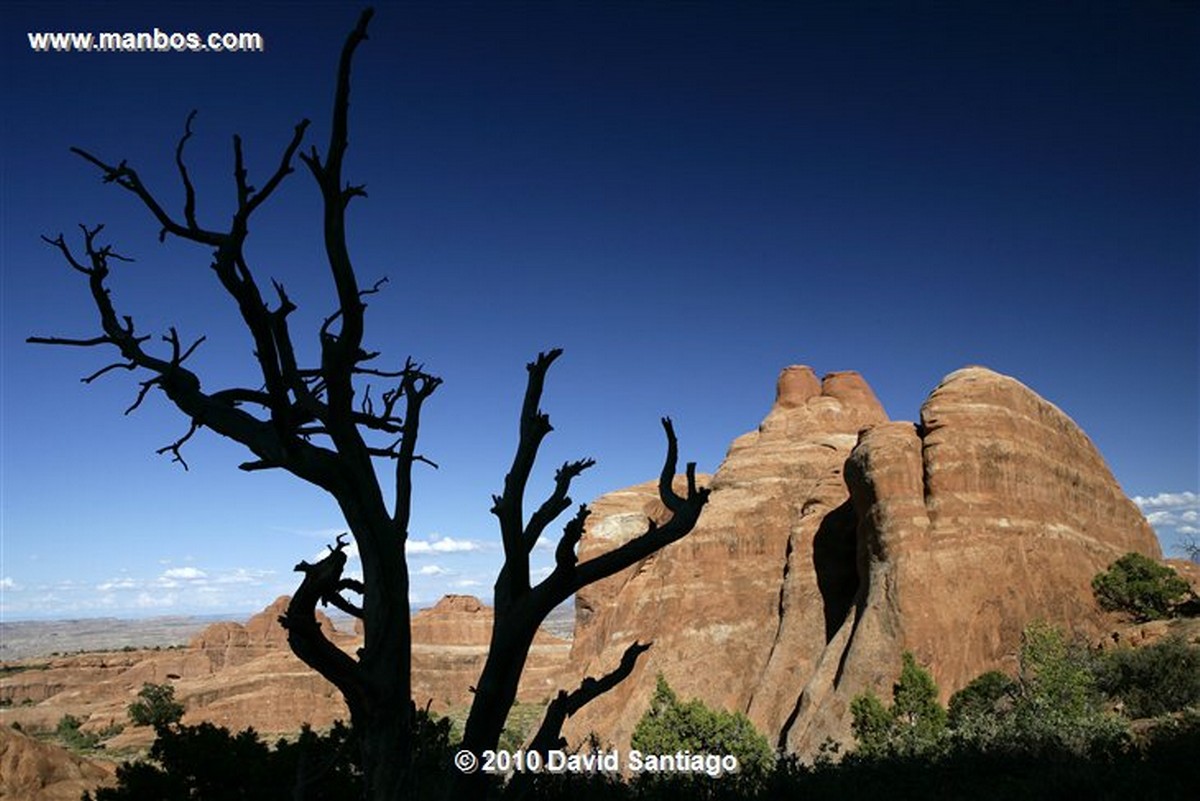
(686, 196)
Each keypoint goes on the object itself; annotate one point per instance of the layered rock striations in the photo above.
(728, 607)
(450, 646)
(834, 540)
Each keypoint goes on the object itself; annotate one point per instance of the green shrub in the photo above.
(156, 706)
(981, 697)
(1139, 587)
(914, 724)
(68, 732)
(1153, 680)
(921, 719)
(519, 725)
(210, 763)
(1058, 704)
(871, 723)
(670, 725)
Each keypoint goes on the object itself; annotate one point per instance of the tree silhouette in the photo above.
(311, 421)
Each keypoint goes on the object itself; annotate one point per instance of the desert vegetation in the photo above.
(156, 706)
(1140, 587)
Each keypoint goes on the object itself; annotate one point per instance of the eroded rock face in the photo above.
(801, 586)
(35, 771)
(728, 607)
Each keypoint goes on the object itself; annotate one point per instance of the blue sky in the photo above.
(685, 196)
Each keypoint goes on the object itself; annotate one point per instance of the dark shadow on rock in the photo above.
(835, 561)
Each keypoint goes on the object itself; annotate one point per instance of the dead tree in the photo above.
(520, 607)
(307, 420)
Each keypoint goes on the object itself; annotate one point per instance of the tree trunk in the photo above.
(494, 697)
(497, 690)
(385, 724)
(384, 734)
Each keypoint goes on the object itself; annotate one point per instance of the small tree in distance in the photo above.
(322, 423)
(1190, 545)
(156, 706)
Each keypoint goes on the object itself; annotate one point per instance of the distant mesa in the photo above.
(239, 675)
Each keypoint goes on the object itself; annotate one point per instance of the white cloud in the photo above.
(146, 600)
(433, 570)
(188, 573)
(1167, 499)
(465, 583)
(243, 575)
(116, 584)
(7, 583)
(1171, 510)
(1175, 517)
(442, 545)
(218, 587)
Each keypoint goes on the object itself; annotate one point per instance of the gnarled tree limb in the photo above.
(322, 581)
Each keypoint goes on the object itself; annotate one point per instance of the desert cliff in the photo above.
(835, 539)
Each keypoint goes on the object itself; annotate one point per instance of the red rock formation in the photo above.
(800, 587)
(450, 645)
(730, 608)
(227, 644)
(239, 675)
(35, 771)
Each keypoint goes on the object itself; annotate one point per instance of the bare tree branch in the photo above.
(507, 507)
(415, 387)
(322, 581)
(557, 503)
(219, 411)
(189, 204)
(127, 178)
(174, 447)
(569, 576)
(102, 340)
(306, 419)
(115, 366)
(340, 352)
(520, 609)
(566, 704)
